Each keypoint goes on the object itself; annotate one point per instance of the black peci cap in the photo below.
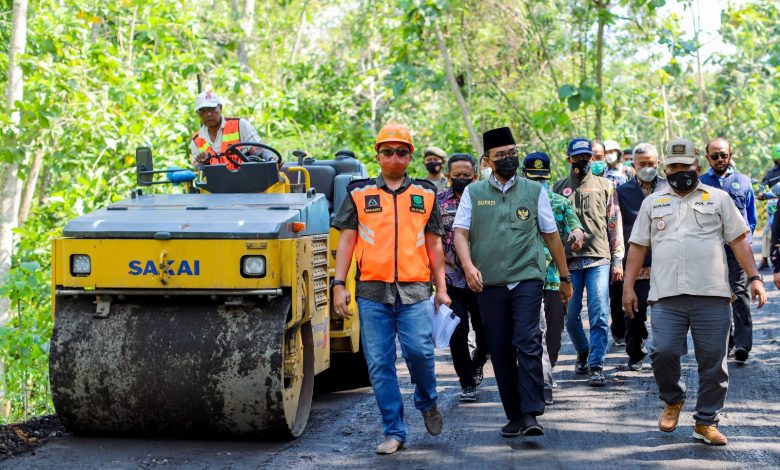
(497, 138)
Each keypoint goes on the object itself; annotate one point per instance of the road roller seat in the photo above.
(321, 179)
(347, 168)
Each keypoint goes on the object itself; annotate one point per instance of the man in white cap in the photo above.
(217, 133)
(615, 170)
(686, 225)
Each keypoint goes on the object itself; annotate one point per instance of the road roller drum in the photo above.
(189, 365)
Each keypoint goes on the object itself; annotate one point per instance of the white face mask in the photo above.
(611, 157)
(647, 174)
(486, 172)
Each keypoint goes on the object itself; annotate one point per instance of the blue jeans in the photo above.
(414, 325)
(596, 281)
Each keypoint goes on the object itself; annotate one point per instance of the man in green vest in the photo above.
(501, 227)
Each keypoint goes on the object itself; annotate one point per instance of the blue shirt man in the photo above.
(739, 188)
(722, 175)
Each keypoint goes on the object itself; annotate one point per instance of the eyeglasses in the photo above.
(502, 155)
(719, 156)
(401, 152)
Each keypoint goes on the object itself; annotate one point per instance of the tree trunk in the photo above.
(667, 118)
(9, 182)
(299, 33)
(43, 187)
(602, 10)
(29, 186)
(700, 77)
(247, 22)
(464, 107)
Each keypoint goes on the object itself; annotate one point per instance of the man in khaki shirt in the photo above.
(686, 226)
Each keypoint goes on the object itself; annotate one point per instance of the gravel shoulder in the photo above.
(613, 427)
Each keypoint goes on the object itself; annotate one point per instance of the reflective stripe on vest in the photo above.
(230, 135)
(391, 233)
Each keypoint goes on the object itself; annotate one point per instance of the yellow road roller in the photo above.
(204, 312)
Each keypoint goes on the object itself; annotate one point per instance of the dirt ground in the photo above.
(612, 427)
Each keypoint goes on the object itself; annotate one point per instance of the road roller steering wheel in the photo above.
(236, 149)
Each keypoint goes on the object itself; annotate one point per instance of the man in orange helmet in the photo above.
(391, 224)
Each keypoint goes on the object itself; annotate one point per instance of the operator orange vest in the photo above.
(391, 231)
(230, 135)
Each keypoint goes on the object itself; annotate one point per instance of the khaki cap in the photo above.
(435, 151)
(680, 151)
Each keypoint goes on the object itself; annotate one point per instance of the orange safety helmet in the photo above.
(394, 132)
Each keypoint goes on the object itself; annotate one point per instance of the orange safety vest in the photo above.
(230, 135)
(391, 231)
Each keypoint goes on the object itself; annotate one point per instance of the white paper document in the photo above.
(444, 323)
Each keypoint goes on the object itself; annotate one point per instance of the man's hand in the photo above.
(473, 278)
(760, 196)
(200, 158)
(576, 238)
(441, 298)
(617, 274)
(630, 301)
(566, 291)
(341, 300)
(777, 280)
(757, 292)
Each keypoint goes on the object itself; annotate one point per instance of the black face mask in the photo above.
(459, 184)
(507, 168)
(683, 181)
(581, 167)
(433, 167)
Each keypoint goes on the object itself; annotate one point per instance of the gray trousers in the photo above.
(709, 319)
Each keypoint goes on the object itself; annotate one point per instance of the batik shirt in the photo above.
(448, 206)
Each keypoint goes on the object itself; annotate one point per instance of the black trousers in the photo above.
(618, 326)
(464, 304)
(636, 328)
(555, 314)
(742, 326)
(511, 321)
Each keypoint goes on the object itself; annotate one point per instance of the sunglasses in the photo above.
(719, 156)
(401, 152)
(502, 155)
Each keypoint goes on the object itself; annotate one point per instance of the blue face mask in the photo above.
(598, 167)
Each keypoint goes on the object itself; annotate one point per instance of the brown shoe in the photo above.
(389, 446)
(710, 435)
(433, 421)
(669, 416)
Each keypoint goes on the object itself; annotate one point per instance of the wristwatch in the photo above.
(566, 278)
(336, 282)
(755, 278)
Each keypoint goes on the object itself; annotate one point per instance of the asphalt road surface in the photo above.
(611, 427)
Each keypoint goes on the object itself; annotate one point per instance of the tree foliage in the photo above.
(102, 78)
